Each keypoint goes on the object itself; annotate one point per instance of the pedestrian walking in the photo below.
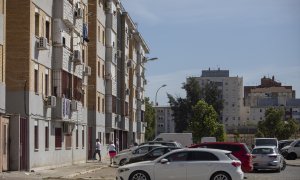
(97, 150)
(112, 152)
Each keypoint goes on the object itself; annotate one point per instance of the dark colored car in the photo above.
(151, 155)
(239, 150)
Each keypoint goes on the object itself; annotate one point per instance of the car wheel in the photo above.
(292, 156)
(220, 176)
(122, 162)
(255, 170)
(283, 165)
(139, 175)
(278, 170)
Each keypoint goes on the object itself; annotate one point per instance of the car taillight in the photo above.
(236, 164)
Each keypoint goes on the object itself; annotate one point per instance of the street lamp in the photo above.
(149, 59)
(164, 85)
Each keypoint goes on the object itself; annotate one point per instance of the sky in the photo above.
(250, 38)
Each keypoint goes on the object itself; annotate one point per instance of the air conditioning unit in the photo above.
(108, 76)
(77, 59)
(74, 105)
(130, 36)
(79, 13)
(129, 63)
(67, 127)
(127, 91)
(145, 81)
(118, 118)
(51, 101)
(108, 6)
(87, 70)
(145, 124)
(43, 43)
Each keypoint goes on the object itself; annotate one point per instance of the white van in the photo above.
(266, 142)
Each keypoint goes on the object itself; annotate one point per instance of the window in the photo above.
(114, 104)
(36, 79)
(46, 136)
(99, 72)
(76, 137)
(202, 156)
(37, 24)
(107, 138)
(58, 138)
(46, 84)
(83, 55)
(103, 37)
(103, 104)
(98, 104)
(64, 41)
(99, 33)
(36, 135)
(48, 30)
(68, 141)
(82, 136)
(103, 72)
(181, 156)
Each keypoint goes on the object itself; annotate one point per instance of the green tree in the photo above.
(182, 107)
(150, 119)
(275, 126)
(204, 122)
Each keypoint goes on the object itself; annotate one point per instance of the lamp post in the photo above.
(164, 85)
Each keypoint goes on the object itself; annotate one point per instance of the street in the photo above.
(290, 173)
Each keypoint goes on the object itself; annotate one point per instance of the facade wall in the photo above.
(232, 94)
(164, 119)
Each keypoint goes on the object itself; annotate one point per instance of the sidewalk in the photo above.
(295, 162)
(66, 172)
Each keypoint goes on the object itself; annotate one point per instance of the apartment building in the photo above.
(231, 88)
(270, 93)
(4, 120)
(116, 50)
(164, 119)
(46, 75)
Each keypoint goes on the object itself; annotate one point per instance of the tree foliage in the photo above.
(150, 119)
(183, 107)
(275, 126)
(204, 122)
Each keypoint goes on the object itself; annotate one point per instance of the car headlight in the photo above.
(123, 170)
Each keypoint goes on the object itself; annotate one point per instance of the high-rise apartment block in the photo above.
(164, 119)
(72, 72)
(270, 93)
(231, 92)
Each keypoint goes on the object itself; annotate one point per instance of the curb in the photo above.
(294, 165)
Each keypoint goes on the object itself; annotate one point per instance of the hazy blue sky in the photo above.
(250, 38)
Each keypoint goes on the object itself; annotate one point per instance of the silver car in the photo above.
(267, 157)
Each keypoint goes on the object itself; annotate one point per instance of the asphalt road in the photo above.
(290, 173)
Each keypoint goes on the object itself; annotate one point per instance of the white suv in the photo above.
(124, 156)
(292, 151)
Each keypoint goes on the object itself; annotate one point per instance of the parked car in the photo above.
(153, 154)
(267, 157)
(266, 142)
(292, 151)
(239, 150)
(164, 143)
(199, 163)
(122, 158)
(283, 143)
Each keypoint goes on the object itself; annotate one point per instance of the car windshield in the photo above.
(263, 151)
(266, 142)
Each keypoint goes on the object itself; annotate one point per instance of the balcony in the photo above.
(66, 109)
(64, 10)
(62, 57)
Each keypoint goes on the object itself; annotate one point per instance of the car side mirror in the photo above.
(163, 161)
